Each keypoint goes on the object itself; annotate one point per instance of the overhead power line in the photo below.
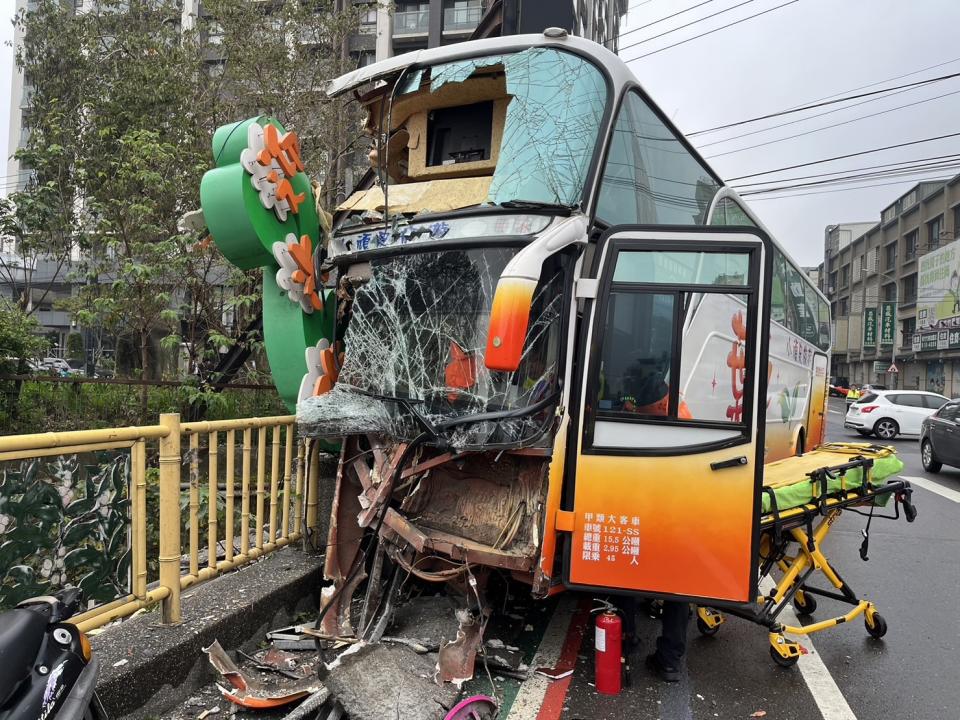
(803, 119)
(681, 27)
(848, 170)
(844, 189)
(847, 155)
(880, 82)
(812, 106)
(892, 172)
(639, 4)
(831, 126)
(656, 22)
(710, 32)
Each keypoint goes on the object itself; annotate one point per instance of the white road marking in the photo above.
(831, 702)
(933, 487)
(529, 698)
(835, 412)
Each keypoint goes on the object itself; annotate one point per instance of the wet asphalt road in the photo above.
(913, 575)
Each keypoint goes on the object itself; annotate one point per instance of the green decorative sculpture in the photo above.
(260, 209)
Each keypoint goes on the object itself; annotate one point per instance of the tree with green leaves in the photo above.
(131, 95)
(20, 342)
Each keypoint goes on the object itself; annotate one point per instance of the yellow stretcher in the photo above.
(802, 499)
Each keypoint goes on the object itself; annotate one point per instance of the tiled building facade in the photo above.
(874, 276)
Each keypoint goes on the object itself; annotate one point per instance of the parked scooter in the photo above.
(47, 669)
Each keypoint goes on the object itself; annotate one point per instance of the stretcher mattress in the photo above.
(789, 480)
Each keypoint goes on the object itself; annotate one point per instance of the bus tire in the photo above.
(799, 447)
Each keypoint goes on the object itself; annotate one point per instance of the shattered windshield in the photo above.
(417, 330)
(552, 126)
(514, 130)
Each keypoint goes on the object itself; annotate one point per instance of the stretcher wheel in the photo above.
(804, 603)
(706, 629)
(879, 628)
(783, 661)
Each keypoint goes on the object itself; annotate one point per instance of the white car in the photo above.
(888, 413)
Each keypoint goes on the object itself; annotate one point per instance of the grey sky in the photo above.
(797, 54)
(790, 56)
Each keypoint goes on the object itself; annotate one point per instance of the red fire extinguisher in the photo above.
(608, 644)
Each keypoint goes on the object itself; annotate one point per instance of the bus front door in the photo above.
(664, 494)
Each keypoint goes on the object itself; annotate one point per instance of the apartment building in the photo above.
(894, 288)
(415, 24)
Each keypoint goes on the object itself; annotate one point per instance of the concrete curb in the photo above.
(147, 668)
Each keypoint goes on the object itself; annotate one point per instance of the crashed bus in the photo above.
(557, 347)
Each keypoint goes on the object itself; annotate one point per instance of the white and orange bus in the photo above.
(558, 326)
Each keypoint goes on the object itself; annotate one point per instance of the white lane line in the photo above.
(831, 702)
(835, 412)
(933, 487)
(529, 698)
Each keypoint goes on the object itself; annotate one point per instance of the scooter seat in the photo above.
(21, 634)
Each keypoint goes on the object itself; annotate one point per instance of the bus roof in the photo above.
(620, 76)
(619, 72)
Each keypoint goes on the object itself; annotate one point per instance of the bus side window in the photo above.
(637, 353)
(779, 311)
(824, 319)
(811, 332)
(713, 358)
(650, 176)
(729, 212)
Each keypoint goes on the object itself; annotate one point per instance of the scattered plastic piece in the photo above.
(478, 707)
(251, 693)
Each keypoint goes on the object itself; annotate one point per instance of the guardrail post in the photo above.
(169, 555)
(313, 490)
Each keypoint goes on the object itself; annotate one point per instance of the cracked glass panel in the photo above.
(552, 127)
(417, 331)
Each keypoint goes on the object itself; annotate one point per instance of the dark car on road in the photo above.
(940, 438)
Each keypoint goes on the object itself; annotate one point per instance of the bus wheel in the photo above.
(800, 445)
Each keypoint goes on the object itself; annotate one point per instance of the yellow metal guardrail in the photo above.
(278, 512)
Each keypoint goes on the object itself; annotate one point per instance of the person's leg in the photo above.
(672, 643)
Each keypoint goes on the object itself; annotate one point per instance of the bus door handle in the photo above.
(732, 462)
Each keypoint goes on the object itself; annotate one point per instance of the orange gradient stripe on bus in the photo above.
(509, 318)
(701, 555)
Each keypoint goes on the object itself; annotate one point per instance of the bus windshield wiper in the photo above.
(520, 204)
(410, 405)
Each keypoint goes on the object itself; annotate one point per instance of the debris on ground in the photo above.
(293, 637)
(373, 682)
(555, 673)
(478, 707)
(256, 693)
(429, 641)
